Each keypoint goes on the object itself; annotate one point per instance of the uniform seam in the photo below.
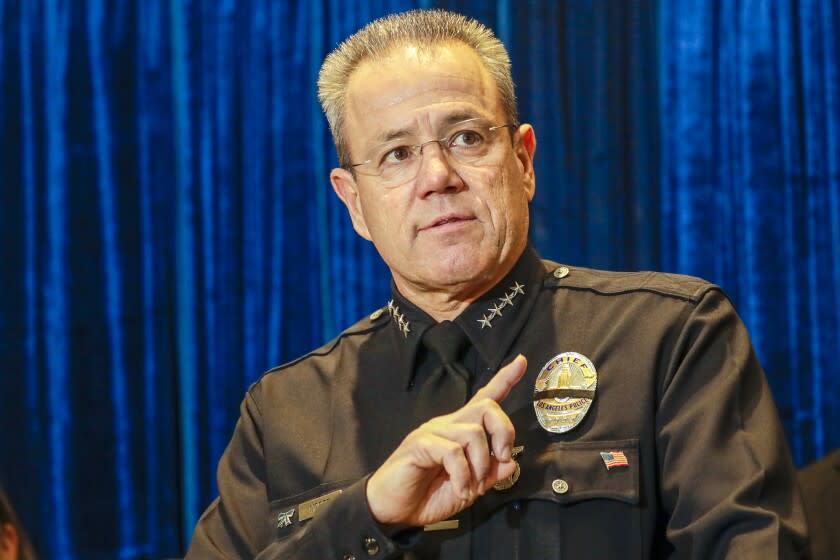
(254, 400)
(319, 352)
(667, 378)
(332, 430)
(693, 299)
(697, 286)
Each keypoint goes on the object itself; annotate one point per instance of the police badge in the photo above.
(564, 391)
(509, 482)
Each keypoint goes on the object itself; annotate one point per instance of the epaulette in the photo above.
(373, 322)
(680, 286)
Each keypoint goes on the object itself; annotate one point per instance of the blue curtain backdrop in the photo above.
(168, 231)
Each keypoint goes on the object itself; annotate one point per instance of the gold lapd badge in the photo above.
(564, 391)
(509, 482)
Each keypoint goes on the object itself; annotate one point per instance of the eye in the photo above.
(466, 139)
(397, 155)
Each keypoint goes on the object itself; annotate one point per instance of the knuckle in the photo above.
(421, 440)
(484, 402)
(481, 405)
(416, 437)
(426, 426)
(489, 404)
(475, 432)
(453, 451)
(437, 423)
(482, 465)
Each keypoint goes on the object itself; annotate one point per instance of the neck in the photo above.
(446, 302)
(441, 305)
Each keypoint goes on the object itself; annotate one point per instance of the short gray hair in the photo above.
(419, 27)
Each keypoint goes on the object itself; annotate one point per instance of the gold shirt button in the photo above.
(560, 486)
(561, 272)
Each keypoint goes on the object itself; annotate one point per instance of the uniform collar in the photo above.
(492, 322)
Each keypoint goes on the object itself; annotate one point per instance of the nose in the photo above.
(436, 175)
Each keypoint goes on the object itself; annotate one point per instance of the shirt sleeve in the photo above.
(726, 477)
(239, 524)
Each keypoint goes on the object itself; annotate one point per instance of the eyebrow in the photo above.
(389, 135)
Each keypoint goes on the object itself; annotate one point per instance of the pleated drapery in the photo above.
(750, 151)
(168, 229)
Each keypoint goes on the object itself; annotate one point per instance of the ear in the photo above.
(344, 185)
(525, 149)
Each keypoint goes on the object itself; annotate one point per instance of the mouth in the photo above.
(447, 220)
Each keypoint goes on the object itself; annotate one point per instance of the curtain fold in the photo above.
(169, 231)
(750, 154)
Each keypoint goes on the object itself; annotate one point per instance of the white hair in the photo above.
(422, 28)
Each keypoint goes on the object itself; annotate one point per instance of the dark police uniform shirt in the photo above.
(679, 392)
(820, 485)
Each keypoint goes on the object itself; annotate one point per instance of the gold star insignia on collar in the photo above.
(496, 311)
(402, 323)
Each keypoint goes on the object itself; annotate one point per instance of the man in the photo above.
(640, 425)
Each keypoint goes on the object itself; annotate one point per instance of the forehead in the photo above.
(415, 88)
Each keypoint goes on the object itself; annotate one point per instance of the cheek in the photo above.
(385, 215)
(500, 201)
(509, 206)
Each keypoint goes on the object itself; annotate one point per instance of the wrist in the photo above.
(388, 528)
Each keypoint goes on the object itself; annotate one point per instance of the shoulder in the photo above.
(607, 283)
(319, 365)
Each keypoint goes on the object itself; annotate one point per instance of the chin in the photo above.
(458, 268)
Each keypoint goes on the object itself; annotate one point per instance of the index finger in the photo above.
(504, 380)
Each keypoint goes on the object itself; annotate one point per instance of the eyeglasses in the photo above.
(471, 142)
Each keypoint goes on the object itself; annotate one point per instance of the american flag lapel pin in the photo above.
(614, 459)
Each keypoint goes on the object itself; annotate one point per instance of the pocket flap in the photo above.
(569, 472)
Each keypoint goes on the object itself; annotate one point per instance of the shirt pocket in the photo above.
(287, 515)
(571, 472)
(572, 500)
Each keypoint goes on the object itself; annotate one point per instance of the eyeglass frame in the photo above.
(417, 149)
